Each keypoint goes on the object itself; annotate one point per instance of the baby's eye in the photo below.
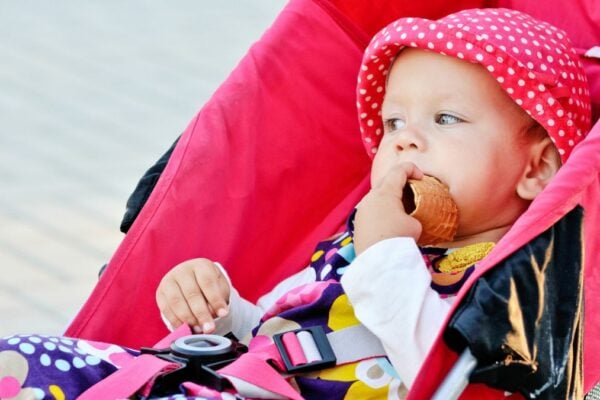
(447, 119)
(394, 124)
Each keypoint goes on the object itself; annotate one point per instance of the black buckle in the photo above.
(323, 345)
(199, 357)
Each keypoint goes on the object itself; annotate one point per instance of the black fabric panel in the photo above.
(523, 320)
(142, 191)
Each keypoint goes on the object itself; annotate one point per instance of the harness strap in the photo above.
(129, 379)
(134, 375)
(355, 343)
(253, 376)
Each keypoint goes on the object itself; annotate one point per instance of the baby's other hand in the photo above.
(194, 292)
(380, 215)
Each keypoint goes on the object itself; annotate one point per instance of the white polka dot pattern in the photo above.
(533, 61)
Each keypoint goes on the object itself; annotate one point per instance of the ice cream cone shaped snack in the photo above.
(429, 201)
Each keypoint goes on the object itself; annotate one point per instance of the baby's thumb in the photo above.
(396, 178)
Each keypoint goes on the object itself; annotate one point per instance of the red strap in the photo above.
(165, 342)
(129, 379)
(255, 370)
(134, 375)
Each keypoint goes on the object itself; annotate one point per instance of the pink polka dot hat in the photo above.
(533, 61)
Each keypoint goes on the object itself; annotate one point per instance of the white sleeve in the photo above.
(389, 288)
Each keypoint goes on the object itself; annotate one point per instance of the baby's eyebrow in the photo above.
(431, 99)
(451, 97)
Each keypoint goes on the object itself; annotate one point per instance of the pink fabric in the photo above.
(136, 373)
(165, 342)
(128, 380)
(9, 387)
(298, 296)
(533, 61)
(193, 389)
(580, 19)
(255, 370)
(293, 348)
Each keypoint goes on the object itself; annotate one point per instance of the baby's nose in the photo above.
(410, 139)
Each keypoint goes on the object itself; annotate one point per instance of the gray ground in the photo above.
(91, 94)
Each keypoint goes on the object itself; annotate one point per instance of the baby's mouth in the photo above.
(408, 199)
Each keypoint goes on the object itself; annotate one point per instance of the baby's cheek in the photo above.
(462, 202)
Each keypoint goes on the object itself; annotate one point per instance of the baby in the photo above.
(490, 102)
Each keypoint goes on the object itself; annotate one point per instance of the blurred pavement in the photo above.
(91, 94)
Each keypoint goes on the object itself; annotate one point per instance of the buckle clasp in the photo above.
(199, 358)
(305, 349)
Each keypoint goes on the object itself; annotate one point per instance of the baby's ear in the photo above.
(543, 163)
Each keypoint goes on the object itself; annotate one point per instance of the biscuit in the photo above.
(429, 201)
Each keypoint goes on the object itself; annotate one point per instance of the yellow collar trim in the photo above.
(463, 258)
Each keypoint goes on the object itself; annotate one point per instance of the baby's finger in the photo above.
(166, 311)
(197, 304)
(395, 180)
(214, 288)
(173, 304)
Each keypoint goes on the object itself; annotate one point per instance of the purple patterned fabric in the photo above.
(55, 367)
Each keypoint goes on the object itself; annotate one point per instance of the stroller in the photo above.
(245, 170)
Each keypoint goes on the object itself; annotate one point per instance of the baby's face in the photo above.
(451, 118)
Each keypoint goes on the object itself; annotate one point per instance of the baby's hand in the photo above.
(194, 292)
(380, 214)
